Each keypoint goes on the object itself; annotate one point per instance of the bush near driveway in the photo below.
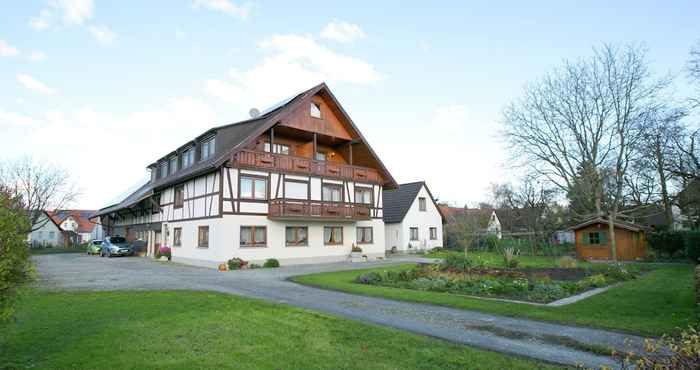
(15, 265)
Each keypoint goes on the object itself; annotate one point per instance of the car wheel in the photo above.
(102, 253)
(109, 254)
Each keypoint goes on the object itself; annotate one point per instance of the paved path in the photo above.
(538, 340)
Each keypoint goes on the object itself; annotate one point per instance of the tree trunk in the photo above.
(660, 165)
(611, 232)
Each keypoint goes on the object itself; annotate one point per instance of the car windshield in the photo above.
(97, 242)
(117, 240)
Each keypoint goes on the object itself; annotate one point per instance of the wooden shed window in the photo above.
(595, 238)
(315, 110)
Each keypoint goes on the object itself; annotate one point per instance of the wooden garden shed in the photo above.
(593, 240)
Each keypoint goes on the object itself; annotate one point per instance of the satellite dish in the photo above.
(254, 112)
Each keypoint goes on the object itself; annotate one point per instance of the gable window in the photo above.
(433, 233)
(163, 169)
(177, 237)
(253, 187)
(315, 110)
(172, 164)
(332, 193)
(422, 204)
(277, 148)
(364, 235)
(363, 195)
(206, 149)
(203, 237)
(297, 235)
(253, 236)
(414, 233)
(187, 157)
(332, 235)
(179, 197)
(296, 189)
(320, 156)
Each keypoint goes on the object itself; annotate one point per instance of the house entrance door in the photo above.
(156, 242)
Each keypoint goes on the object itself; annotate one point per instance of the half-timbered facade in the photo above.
(298, 183)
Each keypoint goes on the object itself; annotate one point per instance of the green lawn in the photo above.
(492, 259)
(191, 330)
(659, 302)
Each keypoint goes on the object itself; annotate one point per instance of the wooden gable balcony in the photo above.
(292, 209)
(306, 166)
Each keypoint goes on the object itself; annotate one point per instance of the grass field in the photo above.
(200, 330)
(661, 301)
(492, 259)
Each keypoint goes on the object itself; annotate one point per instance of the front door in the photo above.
(156, 243)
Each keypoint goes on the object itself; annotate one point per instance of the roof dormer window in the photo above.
(163, 169)
(315, 110)
(206, 148)
(187, 157)
(173, 164)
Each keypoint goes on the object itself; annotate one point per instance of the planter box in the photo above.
(356, 257)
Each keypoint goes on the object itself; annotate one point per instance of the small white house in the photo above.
(413, 221)
(47, 233)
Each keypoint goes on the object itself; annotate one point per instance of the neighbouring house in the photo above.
(687, 206)
(484, 221)
(413, 221)
(78, 224)
(297, 182)
(47, 234)
(593, 240)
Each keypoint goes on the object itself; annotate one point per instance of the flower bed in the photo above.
(541, 285)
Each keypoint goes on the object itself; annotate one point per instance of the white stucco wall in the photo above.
(47, 235)
(224, 241)
(423, 220)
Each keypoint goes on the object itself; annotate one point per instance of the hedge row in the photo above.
(673, 243)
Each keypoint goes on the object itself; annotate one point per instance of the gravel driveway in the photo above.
(538, 340)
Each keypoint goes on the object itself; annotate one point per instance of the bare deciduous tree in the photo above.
(41, 187)
(587, 114)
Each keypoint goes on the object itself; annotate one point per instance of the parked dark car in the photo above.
(116, 246)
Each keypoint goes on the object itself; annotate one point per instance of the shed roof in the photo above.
(602, 220)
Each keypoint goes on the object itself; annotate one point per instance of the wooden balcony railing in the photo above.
(319, 210)
(307, 166)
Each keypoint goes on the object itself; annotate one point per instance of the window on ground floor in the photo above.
(332, 235)
(253, 236)
(594, 238)
(414, 233)
(203, 237)
(177, 237)
(433, 233)
(297, 235)
(364, 235)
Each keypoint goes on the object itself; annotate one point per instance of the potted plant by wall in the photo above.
(165, 252)
(356, 254)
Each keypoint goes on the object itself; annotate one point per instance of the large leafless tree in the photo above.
(587, 114)
(40, 186)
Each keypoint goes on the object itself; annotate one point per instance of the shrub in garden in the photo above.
(456, 262)
(510, 257)
(547, 292)
(692, 245)
(368, 278)
(236, 263)
(668, 242)
(253, 266)
(567, 262)
(271, 263)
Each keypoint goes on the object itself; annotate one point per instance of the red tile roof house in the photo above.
(77, 221)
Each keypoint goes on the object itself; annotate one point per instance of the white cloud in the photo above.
(103, 34)
(224, 6)
(14, 119)
(42, 21)
(36, 56)
(33, 84)
(80, 135)
(72, 12)
(295, 63)
(7, 50)
(342, 31)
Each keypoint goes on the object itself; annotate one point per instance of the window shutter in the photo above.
(586, 239)
(603, 237)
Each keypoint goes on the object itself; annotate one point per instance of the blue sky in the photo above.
(95, 85)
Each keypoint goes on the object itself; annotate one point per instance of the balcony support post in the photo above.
(315, 148)
(272, 139)
(350, 151)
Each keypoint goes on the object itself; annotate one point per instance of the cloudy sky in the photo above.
(103, 88)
